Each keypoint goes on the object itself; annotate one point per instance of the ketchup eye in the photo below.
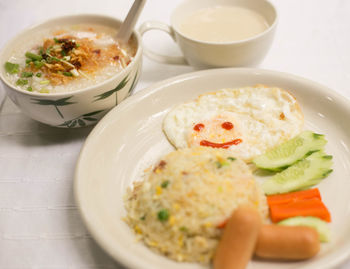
(227, 125)
(198, 127)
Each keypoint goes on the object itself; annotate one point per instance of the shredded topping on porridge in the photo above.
(65, 57)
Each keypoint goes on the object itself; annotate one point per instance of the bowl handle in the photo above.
(154, 25)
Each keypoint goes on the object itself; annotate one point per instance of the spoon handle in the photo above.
(130, 21)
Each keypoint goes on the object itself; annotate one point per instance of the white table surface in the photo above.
(39, 222)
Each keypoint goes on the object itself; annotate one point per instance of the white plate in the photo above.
(129, 138)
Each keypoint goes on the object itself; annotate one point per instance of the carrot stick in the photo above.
(309, 207)
(293, 196)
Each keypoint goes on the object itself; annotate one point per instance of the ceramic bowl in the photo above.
(75, 108)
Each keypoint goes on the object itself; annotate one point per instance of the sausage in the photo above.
(287, 242)
(238, 240)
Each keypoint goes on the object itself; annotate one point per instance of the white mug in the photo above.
(200, 54)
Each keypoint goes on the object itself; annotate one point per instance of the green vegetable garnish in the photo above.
(44, 82)
(77, 45)
(68, 74)
(28, 61)
(183, 229)
(26, 74)
(43, 90)
(220, 164)
(22, 82)
(143, 217)
(231, 159)
(11, 68)
(52, 58)
(165, 184)
(63, 53)
(38, 64)
(56, 40)
(33, 56)
(38, 75)
(163, 215)
(48, 50)
(30, 89)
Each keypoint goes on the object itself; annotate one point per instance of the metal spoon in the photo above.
(128, 25)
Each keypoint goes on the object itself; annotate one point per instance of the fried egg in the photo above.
(247, 121)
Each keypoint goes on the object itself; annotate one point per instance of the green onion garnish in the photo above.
(56, 40)
(183, 229)
(22, 82)
(44, 82)
(163, 215)
(231, 159)
(165, 184)
(43, 90)
(33, 56)
(28, 61)
(38, 75)
(26, 74)
(11, 68)
(38, 64)
(29, 89)
(68, 74)
(220, 164)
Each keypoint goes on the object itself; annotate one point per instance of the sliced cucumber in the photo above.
(303, 174)
(321, 226)
(291, 151)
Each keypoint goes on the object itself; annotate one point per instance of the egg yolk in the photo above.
(218, 130)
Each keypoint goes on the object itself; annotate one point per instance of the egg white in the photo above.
(263, 117)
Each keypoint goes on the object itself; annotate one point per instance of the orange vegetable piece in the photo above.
(293, 196)
(309, 207)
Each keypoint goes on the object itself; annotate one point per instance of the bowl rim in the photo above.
(269, 29)
(34, 26)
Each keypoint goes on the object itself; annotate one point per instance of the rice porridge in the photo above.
(68, 58)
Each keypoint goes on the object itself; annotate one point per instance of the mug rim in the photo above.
(34, 26)
(237, 42)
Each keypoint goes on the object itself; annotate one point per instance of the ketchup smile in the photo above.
(226, 145)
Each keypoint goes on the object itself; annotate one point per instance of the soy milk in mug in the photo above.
(223, 24)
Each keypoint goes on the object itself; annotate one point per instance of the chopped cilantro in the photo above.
(11, 68)
(231, 159)
(163, 215)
